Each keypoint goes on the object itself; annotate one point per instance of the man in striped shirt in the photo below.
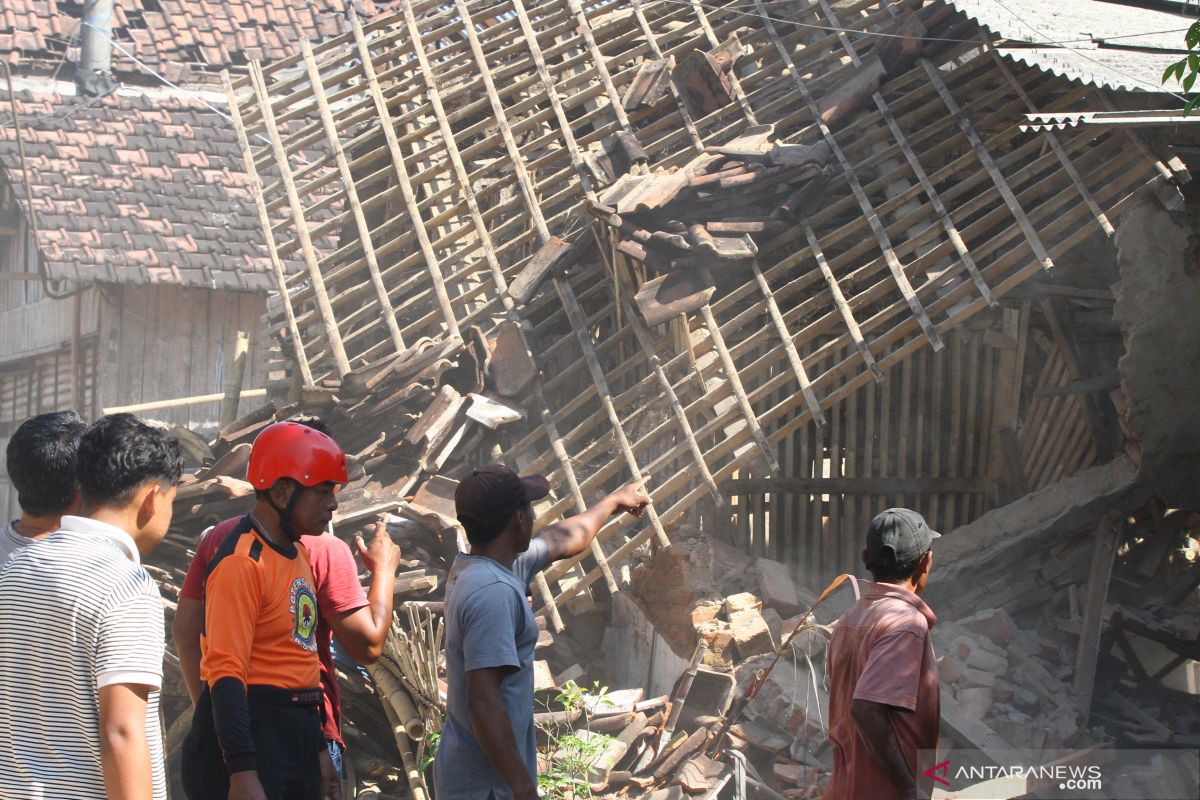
(81, 630)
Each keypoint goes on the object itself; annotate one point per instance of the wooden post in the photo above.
(235, 373)
(1108, 538)
(76, 354)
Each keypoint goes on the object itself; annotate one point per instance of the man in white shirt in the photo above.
(41, 467)
(81, 630)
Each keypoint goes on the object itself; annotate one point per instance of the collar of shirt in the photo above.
(900, 593)
(95, 527)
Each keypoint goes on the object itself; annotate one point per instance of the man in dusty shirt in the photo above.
(883, 681)
(41, 459)
(487, 749)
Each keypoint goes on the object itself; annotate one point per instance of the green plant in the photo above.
(1187, 68)
(570, 753)
(429, 749)
(570, 761)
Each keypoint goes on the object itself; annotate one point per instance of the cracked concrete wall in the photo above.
(1158, 306)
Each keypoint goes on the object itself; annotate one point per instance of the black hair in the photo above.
(886, 570)
(119, 453)
(479, 535)
(41, 460)
(310, 421)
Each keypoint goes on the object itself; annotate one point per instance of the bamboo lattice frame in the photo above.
(456, 138)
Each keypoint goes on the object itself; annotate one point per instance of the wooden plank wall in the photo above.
(164, 342)
(920, 439)
(929, 438)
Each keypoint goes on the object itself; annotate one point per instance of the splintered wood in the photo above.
(669, 235)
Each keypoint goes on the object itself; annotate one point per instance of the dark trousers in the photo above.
(287, 738)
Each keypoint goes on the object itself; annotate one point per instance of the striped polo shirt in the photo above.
(77, 612)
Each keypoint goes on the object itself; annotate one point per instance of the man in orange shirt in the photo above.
(360, 620)
(883, 680)
(256, 732)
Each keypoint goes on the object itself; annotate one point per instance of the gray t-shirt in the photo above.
(488, 624)
(11, 542)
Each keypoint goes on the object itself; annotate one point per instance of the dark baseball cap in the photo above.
(899, 535)
(487, 497)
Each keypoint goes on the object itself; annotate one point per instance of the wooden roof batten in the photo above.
(455, 186)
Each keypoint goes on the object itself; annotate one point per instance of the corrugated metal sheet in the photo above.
(1100, 43)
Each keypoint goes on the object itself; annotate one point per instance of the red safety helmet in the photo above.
(292, 450)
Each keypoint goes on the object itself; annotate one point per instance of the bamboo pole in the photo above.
(181, 402)
(410, 200)
(310, 256)
(931, 192)
(416, 783)
(394, 694)
(351, 190)
(256, 188)
(885, 244)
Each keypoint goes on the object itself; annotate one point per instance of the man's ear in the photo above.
(151, 496)
(281, 492)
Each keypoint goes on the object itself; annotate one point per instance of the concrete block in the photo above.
(571, 673)
(718, 635)
(992, 623)
(777, 588)
(977, 677)
(974, 654)
(774, 624)
(705, 611)
(750, 633)
(808, 641)
(1004, 691)
(975, 701)
(742, 601)
(950, 668)
(543, 678)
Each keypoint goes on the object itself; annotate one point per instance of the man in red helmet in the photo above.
(267, 618)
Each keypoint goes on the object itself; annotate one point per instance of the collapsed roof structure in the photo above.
(678, 235)
(794, 262)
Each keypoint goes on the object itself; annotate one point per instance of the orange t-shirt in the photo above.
(881, 651)
(260, 614)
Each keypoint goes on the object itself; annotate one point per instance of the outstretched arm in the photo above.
(571, 536)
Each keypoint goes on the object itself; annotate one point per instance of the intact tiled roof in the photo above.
(1105, 44)
(179, 37)
(137, 189)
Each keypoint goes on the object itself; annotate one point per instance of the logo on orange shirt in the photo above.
(304, 612)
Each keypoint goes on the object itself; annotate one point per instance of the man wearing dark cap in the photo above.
(487, 749)
(883, 681)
